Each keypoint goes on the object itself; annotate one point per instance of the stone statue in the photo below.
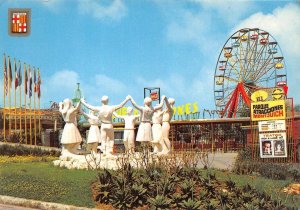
(157, 131)
(144, 134)
(105, 116)
(71, 137)
(129, 135)
(94, 137)
(167, 116)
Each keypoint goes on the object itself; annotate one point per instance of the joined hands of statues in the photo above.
(128, 98)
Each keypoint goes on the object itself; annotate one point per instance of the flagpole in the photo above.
(25, 95)
(39, 118)
(30, 87)
(39, 104)
(34, 91)
(9, 99)
(20, 108)
(15, 66)
(4, 95)
(30, 129)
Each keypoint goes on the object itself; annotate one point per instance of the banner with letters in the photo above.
(268, 110)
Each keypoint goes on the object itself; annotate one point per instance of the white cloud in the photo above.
(284, 25)
(230, 10)
(59, 86)
(194, 28)
(184, 90)
(203, 25)
(107, 84)
(115, 10)
(63, 84)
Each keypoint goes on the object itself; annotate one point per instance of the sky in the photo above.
(116, 48)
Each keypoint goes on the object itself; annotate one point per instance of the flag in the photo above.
(9, 73)
(5, 75)
(39, 84)
(20, 75)
(34, 80)
(25, 80)
(16, 75)
(30, 83)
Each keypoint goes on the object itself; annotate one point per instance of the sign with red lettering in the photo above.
(268, 110)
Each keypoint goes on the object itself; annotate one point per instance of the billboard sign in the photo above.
(273, 145)
(271, 125)
(268, 110)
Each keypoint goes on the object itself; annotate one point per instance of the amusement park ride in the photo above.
(251, 59)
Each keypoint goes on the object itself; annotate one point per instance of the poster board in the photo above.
(273, 145)
(271, 125)
(268, 110)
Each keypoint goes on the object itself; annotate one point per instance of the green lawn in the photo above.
(40, 180)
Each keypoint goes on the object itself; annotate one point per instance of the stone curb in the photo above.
(8, 200)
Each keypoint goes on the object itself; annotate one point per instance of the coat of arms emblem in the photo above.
(19, 22)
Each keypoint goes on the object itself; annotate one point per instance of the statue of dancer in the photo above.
(105, 116)
(144, 134)
(71, 137)
(94, 137)
(157, 131)
(167, 116)
(129, 135)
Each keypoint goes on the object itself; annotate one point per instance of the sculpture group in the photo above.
(154, 125)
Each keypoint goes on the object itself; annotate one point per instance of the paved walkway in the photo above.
(12, 207)
(222, 160)
(13, 203)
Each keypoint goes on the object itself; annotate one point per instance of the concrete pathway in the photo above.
(12, 207)
(13, 203)
(222, 160)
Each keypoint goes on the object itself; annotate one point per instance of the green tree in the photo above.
(297, 108)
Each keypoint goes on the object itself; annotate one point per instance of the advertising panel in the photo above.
(273, 145)
(271, 125)
(268, 110)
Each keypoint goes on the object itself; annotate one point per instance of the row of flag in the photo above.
(30, 84)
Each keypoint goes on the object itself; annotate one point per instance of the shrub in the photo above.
(295, 172)
(19, 149)
(245, 165)
(187, 188)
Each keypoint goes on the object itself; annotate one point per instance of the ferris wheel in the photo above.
(250, 59)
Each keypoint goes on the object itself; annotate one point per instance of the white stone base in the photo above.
(96, 161)
(90, 161)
